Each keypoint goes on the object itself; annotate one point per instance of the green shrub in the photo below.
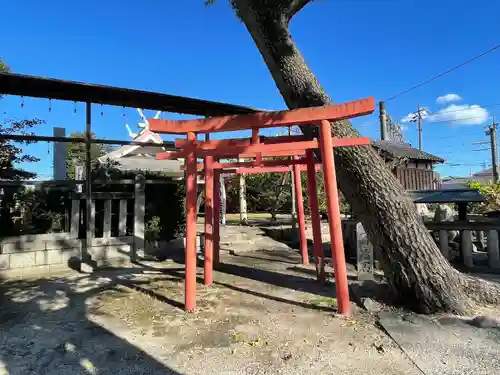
(491, 193)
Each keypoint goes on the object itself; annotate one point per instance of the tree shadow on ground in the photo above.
(288, 256)
(46, 330)
(322, 290)
(289, 281)
(289, 237)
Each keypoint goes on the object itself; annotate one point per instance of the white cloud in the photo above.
(460, 115)
(448, 98)
(407, 118)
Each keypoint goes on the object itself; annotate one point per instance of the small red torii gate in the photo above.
(302, 151)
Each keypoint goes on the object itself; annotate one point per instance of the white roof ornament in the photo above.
(130, 133)
(144, 125)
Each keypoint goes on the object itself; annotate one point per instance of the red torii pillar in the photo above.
(190, 257)
(299, 203)
(312, 188)
(334, 221)
(209, 220)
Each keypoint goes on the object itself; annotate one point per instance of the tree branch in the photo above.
(296, 6)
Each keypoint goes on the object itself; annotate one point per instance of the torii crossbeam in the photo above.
(259, 148)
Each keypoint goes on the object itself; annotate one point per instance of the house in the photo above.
(484, 176)
(413, 168)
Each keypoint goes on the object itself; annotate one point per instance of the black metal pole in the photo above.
(88, 180)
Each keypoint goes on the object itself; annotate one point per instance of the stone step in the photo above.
(224, 242)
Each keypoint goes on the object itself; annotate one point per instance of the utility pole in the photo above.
(383, 121)
(492, 132)
(419, 115)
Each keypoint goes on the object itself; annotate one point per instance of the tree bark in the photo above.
(412, 262)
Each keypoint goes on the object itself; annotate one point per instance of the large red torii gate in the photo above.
(258, 147)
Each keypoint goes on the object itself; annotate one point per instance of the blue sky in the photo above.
(357, 48)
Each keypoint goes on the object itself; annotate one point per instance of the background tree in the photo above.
(491, 193)
(268, 192)
(412, 263)
(77, 153)
(3, 66)
(12, 156)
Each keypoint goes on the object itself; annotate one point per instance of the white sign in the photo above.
(79, 175)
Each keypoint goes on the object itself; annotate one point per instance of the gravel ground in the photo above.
(445, 345)
(263, 315)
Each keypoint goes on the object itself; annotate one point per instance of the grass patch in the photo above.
(236, 336)
(250, 215)
(323, 302)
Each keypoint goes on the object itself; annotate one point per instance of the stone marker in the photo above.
(365, 258)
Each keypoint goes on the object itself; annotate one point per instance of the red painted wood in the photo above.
(299, 200)
(209, 217)
(271, 154)
(264, 163)
(258, 170)
(312, 190)
(240, 142)
(300, 116)
(255, 141)
(190, 261)
(243, 148)
(334, 222)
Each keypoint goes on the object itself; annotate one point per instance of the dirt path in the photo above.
(263, 315)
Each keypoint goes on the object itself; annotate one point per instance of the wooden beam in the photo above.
(263, 163)
(239, 142)
(271, 154)
(300, 116)
(278, 169)
(235, 148)
(259, 148)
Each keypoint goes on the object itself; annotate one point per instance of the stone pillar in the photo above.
(139, 213)
(466, 241)
(364, 254)
(222, 199)
(243, 199)
(493, 251)
(106, 230)
(122, 218)
(75, 218)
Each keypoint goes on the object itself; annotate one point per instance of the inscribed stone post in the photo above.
(365, 257)
(222, 200)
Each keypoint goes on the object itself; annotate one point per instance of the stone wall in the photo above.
(31, 255)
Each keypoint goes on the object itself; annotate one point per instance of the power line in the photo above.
(456, 136)
(445, 72)
(457, 119)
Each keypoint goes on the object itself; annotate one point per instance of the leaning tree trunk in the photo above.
(412, 263)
